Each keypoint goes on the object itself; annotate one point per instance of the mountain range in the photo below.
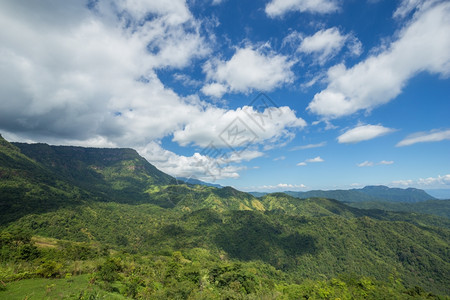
(377, 193)
(100, 212)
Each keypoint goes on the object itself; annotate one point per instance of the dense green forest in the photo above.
(378, 193)
(432, 207)
(85, 223)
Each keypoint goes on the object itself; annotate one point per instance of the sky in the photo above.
(267, 95)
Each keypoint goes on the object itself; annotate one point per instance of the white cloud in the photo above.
(425, 137)
(309, 146)
(187, 80)
(402, 183)
(314, 160)
(76, 77)
(440, 180)
(292, 40)
(214, 89)
(279, 158)
(422, 45)
(371, 164)
(277, 8)
(280, 186)
(249, 69)
(239, 128)
(201, 166)
(363, 133)
(324, 44)
(89, 77)
(365, 164)
(430, 182)
(174, 12)
(407, 6)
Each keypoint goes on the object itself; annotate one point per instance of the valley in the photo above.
(91, 223)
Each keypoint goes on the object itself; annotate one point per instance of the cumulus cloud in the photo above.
(422, 45)
(430, 182)
(248, 69)
(88, 76)
(363, 133)
(239, 128)
(214, 89)
(277, 8)
(326, 43)
(425, 137)
(300, 164)
(199, 165)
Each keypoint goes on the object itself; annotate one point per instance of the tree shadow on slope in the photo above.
(254, 236)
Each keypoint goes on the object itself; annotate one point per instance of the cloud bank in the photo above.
(381, 77)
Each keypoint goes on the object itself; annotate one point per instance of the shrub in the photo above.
(109, 270)
(49, 269)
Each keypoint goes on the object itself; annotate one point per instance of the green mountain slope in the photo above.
(432, 207)
(300, 246)
(368, 194)
(280, 202)
(28, 187)
(111, 174)
(73, 210)
(341, 195)
(397, 194)
(194, 197)
(317, 207)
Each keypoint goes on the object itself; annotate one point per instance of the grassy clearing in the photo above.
(76, 287)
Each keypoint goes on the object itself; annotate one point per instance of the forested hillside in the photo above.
(369, 194)
(88, 223)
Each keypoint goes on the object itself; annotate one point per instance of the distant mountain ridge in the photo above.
(378, 193)
(191, 180)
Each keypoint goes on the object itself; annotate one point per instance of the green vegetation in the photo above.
(368, 194)
(432, 207)
(81, 223)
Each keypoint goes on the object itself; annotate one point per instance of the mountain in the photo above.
(105, 222)
(341, 195)
(196, 181)
(410, 195)
(27, 186)
(369, 194)
(439, 193)
(190, 198)
(432, 207)
(110, 174)
(258, 194)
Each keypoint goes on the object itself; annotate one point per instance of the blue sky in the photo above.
(261, 95)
